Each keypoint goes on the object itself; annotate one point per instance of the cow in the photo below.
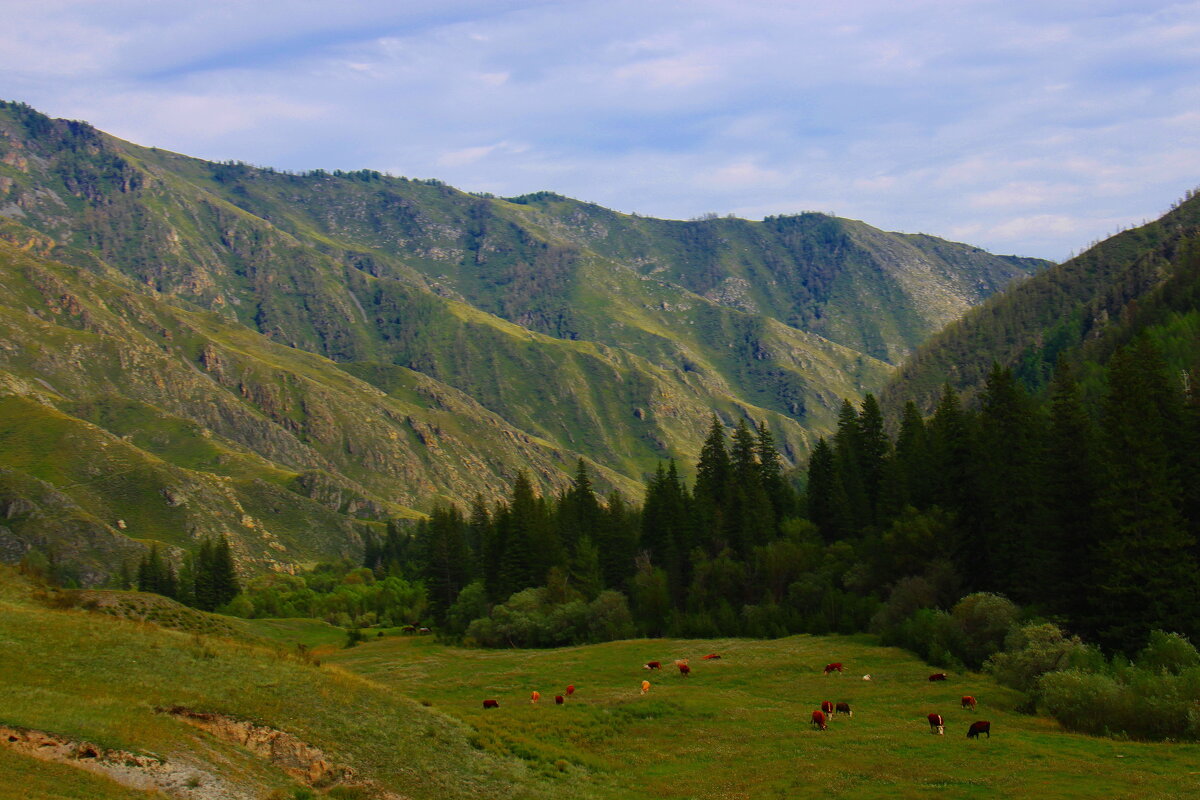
(844, 708)
(936, 724)
(983, 726)
(968, 701)
(827, 708)
(652, 665)
(834, 667)
(711, 656)
(937, 676)
(423, 631)
(491, 704)
(535, 696)
(558, 699)
(570, 690)
(818, 720)
(680, 662)
(645, 686)
(866, 677)
(685, 670)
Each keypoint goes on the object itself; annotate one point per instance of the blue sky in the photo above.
(1022, 127)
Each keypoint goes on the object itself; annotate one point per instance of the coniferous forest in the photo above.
(1082, 513)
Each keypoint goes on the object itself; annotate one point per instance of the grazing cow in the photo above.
(827, 707)
(968, 701)
(983, 726)
(423, 631)
(558, 699)
(818, 720)
(535, 696)
(866, 677)
(491, 704)
(834, 667)
(652, 665)
(570, 690)
(711, 656)
(685, 670)
(936, 724)
(937, 676)
(844, 708)
(645, 686)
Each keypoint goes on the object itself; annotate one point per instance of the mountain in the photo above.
(191, 348)
(1144, 281)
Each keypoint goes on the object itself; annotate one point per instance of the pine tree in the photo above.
(617, 542)
(714, 483)
(751, 516)
(1146, 570)
(826, 499)
(873, 448)
(1011, 514)
(847, 453)
(1071, 481)
(521, 563)
(954, 484)
(585, 572)
(770, 465)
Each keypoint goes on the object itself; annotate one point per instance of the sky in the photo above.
(1020, 126)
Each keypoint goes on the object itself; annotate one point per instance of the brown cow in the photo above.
(818, 720)
(827, 707)
(491, 704)
(570, 690)
(937, 676)
(936, 724)
(652, 665)
(558, 699)
(983, 726)
(968, 701)
(535, 696)
(834, 667)
(844, 708)
(685, 670)
(711, 656)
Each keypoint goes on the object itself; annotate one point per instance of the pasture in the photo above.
(405, 712)
(739, 727)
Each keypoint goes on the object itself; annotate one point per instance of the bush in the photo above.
(984, 620)
(1168, 653)
(531, 618)
(1033, 650)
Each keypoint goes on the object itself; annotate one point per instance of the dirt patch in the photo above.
(135, 770)
(297, 758)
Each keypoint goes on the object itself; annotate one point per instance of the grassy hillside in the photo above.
(404, 713)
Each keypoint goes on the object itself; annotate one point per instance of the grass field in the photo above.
(739, 727)
(406, 713)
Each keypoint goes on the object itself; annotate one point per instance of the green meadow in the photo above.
(406, 713)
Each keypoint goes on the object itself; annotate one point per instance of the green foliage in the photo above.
(536, 618)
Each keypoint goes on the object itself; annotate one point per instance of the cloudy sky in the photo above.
(1022, 126)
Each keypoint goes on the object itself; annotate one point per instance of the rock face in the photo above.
(135, 770)
(285, 359)
(300, 760)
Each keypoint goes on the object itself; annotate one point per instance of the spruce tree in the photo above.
(770, 465)
(1071, 483)
(714, 483)
(1146, 571)
(873, 448)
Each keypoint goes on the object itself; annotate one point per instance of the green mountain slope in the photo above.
(371, 343)
(1143, 280)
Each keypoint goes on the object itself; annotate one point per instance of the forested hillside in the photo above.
(1142, 281)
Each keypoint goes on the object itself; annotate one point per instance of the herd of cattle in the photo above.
(820, 717)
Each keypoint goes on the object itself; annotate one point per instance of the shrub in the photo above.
(984, 620)
(1168, 653)
(1033, 650)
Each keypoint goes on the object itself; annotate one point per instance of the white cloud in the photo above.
(1017, 125)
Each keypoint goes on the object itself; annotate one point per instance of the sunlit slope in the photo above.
(88, 678)
(366, 269)
(124, 416)
(739, 727)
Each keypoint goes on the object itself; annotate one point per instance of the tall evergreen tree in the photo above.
(1071, 483)
(770, 465)
(873, 446)
(714, 483)
(847, 452)
(1147, 568)
(826, 499)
